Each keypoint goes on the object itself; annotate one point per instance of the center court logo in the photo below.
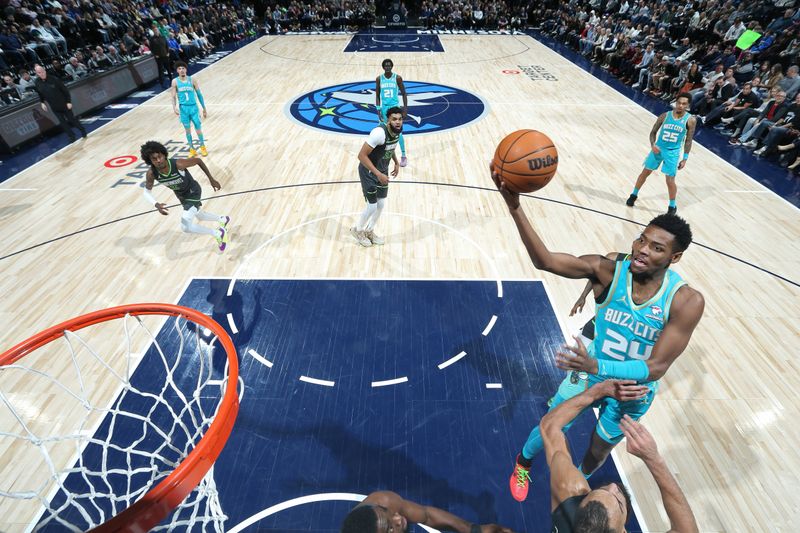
(350, 108)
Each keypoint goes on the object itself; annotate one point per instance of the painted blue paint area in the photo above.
(393, 42)
(441, 438)
(781, 181)
(35, 151)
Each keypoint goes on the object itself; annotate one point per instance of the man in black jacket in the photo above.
(158, 46)
(54, 93)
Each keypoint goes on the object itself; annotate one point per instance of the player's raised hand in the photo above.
(576, 358)
(578, 307)
(639, 441)
(623, 390)
(511, 198)
(162, 208)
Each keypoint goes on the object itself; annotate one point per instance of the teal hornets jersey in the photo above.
(389, 91)
(624, 330)
(672, 132)
(186, 94)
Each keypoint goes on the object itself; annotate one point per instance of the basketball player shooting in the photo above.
(644, 319)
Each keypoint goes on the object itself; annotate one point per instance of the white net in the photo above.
(88, 428)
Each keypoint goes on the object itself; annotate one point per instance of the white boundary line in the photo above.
(396, 381)
(232, 324)
(494, 385)
(315, 381)
(260, 358)
(489, 326)
(452, 360)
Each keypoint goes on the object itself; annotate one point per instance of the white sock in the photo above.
(376, 215)
(365, 216)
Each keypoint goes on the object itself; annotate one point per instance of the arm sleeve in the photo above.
(623, 369)
(376, 137)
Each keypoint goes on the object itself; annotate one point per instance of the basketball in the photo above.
(526, 160)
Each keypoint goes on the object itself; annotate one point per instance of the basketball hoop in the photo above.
(193, 438)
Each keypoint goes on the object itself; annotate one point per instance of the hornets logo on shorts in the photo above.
(350, 108)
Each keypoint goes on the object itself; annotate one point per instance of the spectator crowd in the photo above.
(73, 39)
(750, 94)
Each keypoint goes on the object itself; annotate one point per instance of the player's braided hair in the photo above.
(678, 227)
(152, 147)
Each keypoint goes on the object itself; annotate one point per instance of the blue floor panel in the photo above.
(440, 438)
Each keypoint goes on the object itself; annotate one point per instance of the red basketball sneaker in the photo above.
(519, 482)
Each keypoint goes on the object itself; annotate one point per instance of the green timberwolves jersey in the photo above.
(624, 330)
(179, 181)
(389, 91)
(672, 132)
(382, 154)
(186, 94)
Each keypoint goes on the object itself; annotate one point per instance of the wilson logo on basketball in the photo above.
(542, 162)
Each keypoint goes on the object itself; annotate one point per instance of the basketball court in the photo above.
(419, 366)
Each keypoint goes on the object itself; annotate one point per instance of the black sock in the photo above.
(523, 461)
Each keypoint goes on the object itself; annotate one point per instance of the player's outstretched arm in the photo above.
(566, 480)
(148, 196)
(566, 265)
(640, 443)
(430, 516)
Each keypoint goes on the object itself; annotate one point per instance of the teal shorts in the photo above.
(668, 161)
(190, 115)
(385, 108)
(611, 410)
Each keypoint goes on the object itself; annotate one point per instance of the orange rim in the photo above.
(159, 502)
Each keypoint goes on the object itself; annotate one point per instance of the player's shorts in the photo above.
(667, 159)
(386, 107)
(190, 115)
(611, 410)
(190, 198)
(371, 185)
